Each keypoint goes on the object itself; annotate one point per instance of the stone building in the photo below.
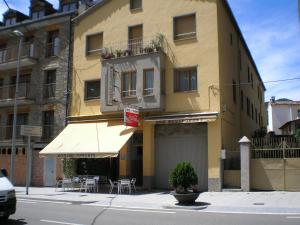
(43, 84)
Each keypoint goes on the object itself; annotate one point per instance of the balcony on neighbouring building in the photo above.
(49, 90)
(9, 56)
(6, 133)
(7, 95)
(133, 74)
(48, 133)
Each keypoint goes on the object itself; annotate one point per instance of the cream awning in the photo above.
(89, 140)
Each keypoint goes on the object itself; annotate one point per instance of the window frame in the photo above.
(176, 79)
(242, 100)
(145, 87)
(86, 97)
(135, 9)
(186, 34)
(130, 90)
(234, 96)
(93, 52)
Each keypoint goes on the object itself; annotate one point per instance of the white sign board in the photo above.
(31, 131)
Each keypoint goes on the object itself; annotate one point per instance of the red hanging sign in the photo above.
(131, 117)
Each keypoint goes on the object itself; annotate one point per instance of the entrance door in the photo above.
(180, 142)
(49, 171)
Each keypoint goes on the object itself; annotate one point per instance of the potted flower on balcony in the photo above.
(184, 178)
(157, 42)
(127, 52)
(149, 49)
(119, 52)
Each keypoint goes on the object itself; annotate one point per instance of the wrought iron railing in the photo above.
(133, 47)
(11, 54)
(8, 91)
(49, 90)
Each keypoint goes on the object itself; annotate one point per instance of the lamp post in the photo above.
(20, 35)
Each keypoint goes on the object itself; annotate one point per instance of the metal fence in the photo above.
(275, 147)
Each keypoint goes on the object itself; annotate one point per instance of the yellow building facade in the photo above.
(198, 92)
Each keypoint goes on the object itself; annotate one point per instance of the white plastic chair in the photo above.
(125, 184)
(90, 185)
(67, 184)
(133, 181)
(113, 184)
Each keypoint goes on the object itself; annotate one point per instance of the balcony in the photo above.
(9, 57)
(48, 133)
(7, 95)
(138, 57)
(6, 133)
(49, 90)
(52, 49)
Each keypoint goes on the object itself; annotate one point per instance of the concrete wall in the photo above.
(275, 174)
(279, 114)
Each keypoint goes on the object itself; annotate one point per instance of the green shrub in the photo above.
(183, 177)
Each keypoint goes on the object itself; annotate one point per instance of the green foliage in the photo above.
(69, 167)
(158, 42)
(183, 177)
(260, 133)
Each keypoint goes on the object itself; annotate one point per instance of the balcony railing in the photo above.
(52, 49)
(8, 91)
(11, 54)
(133, 47)
(6, 132)
(48, 133)
(49, 90)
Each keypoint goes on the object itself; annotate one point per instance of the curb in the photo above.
(185, 207)
(54, 200)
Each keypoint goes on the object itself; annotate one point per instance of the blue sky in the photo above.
(272, 32)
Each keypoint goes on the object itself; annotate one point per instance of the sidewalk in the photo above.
(223, 202)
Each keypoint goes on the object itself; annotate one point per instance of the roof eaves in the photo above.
(89, 10)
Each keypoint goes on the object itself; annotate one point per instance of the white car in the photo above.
(7, 196)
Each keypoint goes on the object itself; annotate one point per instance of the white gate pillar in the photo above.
(245, 163)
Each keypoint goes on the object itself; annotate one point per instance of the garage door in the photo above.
(177, 143)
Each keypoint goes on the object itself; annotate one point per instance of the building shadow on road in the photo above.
(13, 222)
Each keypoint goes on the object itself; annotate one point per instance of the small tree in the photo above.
(183, 177)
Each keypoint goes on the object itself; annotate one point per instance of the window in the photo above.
(234, 91)
(92, 89)
(52, 48)
(258, 94)
(24, 86)
(298, 113)
(37, 14)
(69, 7)
(259, 119)
(231, 39)
(240, 60)
(185, 79)
(135, 41)
(248, 72)
(135, 4)
(252, 112)
(148, 81)
(3, 53)
(242, 100)
(185, 27)
(22, 119)
(252, 83)
(129, 84)
(48, 125)
(10, 21)
(49, 84)
(94, 44)
(248, 106)
(256, 120)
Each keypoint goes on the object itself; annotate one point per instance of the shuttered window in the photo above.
(94, 44)
(185, 27)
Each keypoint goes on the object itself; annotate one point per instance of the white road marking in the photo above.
(293, 217)
(248, 213)
(26, 202)
(59, 222)
(42, 201)
(141, 210)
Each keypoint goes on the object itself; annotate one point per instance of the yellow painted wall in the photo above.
(114, 18)
(235, 121)
(148, 150)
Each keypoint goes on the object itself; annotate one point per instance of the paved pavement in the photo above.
(38, 212)
(225, 202)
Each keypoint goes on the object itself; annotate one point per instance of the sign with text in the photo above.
(131, 117)
(35, 131)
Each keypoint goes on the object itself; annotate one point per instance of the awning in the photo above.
(89, 140)
(184, 118)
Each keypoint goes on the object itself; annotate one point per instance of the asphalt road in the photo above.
(35, 212)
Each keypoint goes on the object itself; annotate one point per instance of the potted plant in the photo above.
(119, 52)
(157, 42)
(184, 178)
(148, 49)
(127, 52)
